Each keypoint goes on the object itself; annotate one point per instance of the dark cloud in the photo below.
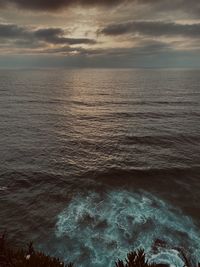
(152, 28)
(11, 31)
(56, 4)
(186, 6)
(147, 48)
(189, 7)
(55, 36)
(25, 35)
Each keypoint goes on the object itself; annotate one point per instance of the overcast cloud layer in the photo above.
(56, 4)
(153, 28)
(101, 33)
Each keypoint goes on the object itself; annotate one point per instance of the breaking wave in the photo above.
(98, 229)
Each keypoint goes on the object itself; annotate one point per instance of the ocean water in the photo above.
(97, 162)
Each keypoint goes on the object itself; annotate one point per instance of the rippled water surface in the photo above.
(95, 163)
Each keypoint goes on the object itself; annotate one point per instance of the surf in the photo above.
(97, 229)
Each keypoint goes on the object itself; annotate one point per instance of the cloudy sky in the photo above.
(99, 33)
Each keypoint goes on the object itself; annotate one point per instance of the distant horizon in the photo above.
(31, 64)
(100, 68)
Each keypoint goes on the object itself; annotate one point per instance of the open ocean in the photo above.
(97, 162)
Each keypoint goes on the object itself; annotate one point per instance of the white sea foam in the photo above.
(97, 230)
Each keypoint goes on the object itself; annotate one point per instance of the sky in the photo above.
(99, 33)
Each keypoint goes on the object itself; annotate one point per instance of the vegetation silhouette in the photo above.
(29, 257)
(10, 257)
(137, 259)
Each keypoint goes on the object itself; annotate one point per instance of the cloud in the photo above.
(11, 31)
(185, 6)
(24, 35)
(140, 30)
(152, 28)
(148, 47)
(56, 4)
(55, 36)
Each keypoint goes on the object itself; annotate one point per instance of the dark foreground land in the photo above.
(29, 257)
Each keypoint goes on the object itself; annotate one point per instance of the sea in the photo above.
(95, 163)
